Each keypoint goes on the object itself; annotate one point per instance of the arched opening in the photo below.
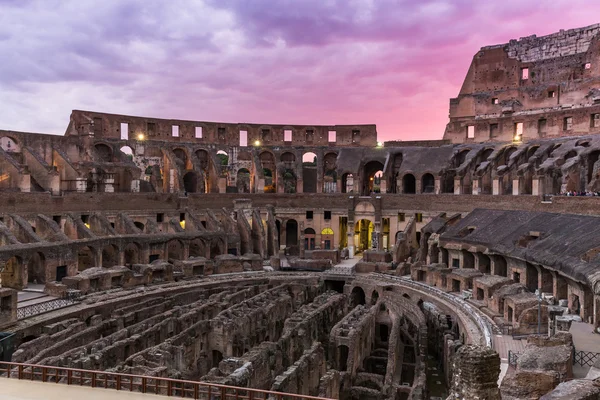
(500, 267)
(110, 256)
(190, 182)
(343, 353)
(217, 248)
(309, 239)
(13, 275)
(243, 181)
(175, 250)
(347, 183)
(363, 235)
(428, 183)
(357, 297)
(532, 277)
(327, 238)
(86, 258)
(485, 264)
(127, 151)
(203, 159)
(36, 269)
(309, 173)
(460, 158)
(329, 173)
(222, 158)
(139, 225)
(104, 152)
(374, 297)
(132, 254)
(373, 173)
(181, 156)
(197, 248)
(9, 145)
(291, 233)
(409, 184)
(270, 186)
(507, 155)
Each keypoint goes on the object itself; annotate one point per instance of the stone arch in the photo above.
(309, 172)
(363, 234)
(372, 177)
(217, 248)
(374, 297)
(86, 258)
(508, 152)
(203, 159)
(409, 184)
(460, 158)
(131, 254)
(330, 173)
(110, 256)
(181, 155)
(593, 170)
(500, 265)
(104, 152)
(197, 248)
(13, 275)
(357, 297)
(427, 183)
(268, 165)
(243, 180)
(128, 151)
(36, 268)
(190, 182)
(139, 225)
(175, 250)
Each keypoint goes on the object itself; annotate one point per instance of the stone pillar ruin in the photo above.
(515, 187)
(476, 371)
(496, 186)
(457, 186)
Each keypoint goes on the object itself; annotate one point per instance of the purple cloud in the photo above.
(393, 63)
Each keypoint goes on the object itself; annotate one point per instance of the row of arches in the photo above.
(19, 272)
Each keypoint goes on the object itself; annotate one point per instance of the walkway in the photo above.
(14, 389)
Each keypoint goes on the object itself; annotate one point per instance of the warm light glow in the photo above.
(141, 136)
(182, 223)
(257, 142)
(379, 144)
(87, 225)
(371, 178)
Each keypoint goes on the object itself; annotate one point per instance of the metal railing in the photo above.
(485, 326)
(70, 298)
(142, 384)
(585, 358)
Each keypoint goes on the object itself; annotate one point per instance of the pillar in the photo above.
(516, 187)
(350, 235)
(437, 186)
(457, 186)
(496, 186)
(476, 184)
(475, 373)
(536, 185)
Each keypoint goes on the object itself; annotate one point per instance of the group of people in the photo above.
(579, 193)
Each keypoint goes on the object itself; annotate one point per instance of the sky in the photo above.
(313, 62)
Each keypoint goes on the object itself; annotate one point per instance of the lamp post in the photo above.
(538, 293)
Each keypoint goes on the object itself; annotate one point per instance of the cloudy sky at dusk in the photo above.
(392, 63)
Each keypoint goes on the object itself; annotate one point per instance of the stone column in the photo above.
(475, 374)
(457, 186)
(496, 186)
(350, 234)
(536, 186)
(476, 184)
(418, 186)
(301, 241)
(437, 186)
(515, 187)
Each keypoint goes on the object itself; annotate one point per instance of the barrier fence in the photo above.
(141, 384)
(70, 298)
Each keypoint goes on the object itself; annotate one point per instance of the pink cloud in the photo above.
(393, 63)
